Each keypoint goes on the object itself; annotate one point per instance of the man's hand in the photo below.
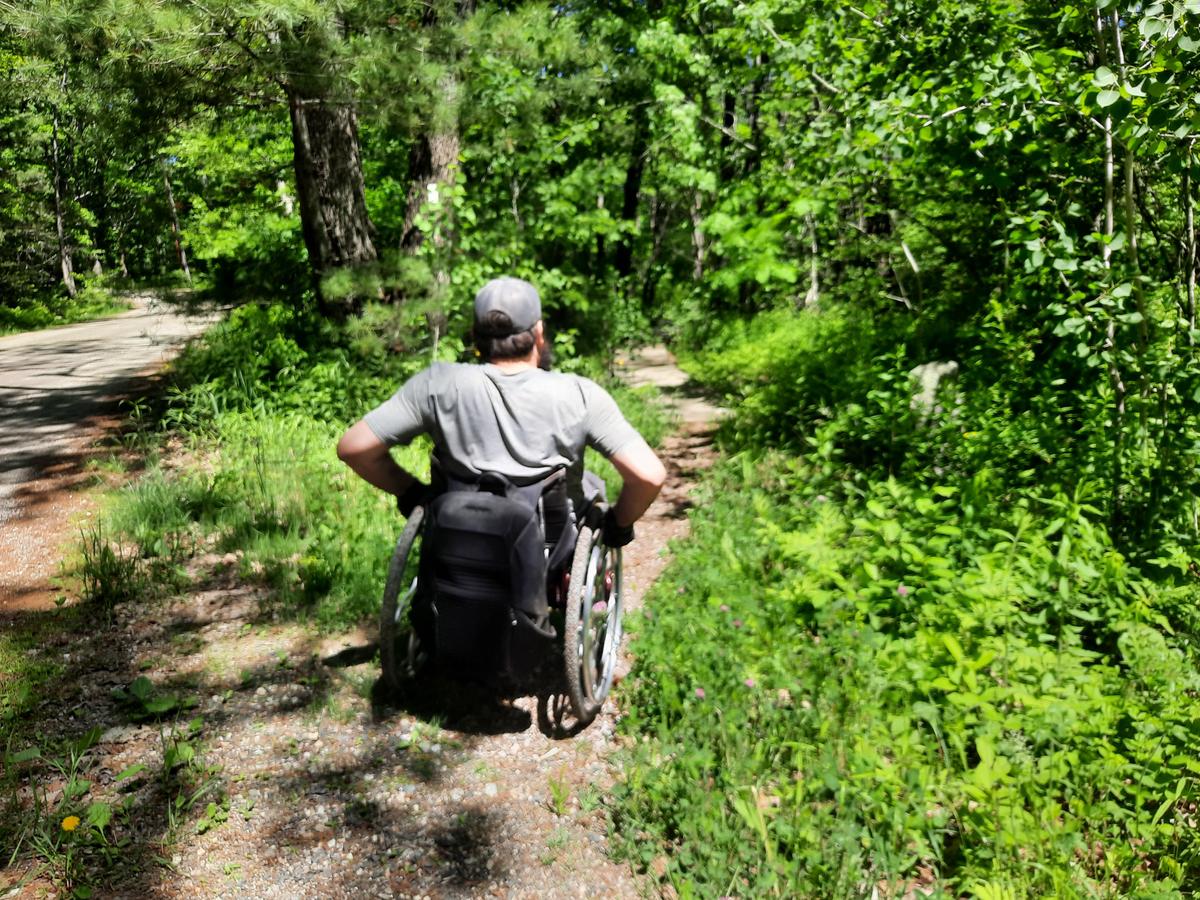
(611, 533)
(417, 494)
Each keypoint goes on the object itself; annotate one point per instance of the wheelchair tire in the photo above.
(399, 652)
(592, 630)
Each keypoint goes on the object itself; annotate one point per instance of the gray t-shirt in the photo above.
(523, 424)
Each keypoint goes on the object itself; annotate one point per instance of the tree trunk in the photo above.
(1131, 234)
(330, 191)
(753, 93)
(725, 152)
(1116, 382)
(601, 247)
(699, 244)
(180, 252)
(631, 194)
(660, 220)
(432, 164)
(433, 158)
(64, 249)
(812, 297)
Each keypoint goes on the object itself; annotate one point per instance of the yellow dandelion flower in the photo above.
(70, 823)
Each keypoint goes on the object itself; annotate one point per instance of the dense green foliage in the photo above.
(51, 310)
(851, 680)
(947, 643)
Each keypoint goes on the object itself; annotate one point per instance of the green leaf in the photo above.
(76, 787)
(130, 771)
(1169, 802)
(954, 647)
(1104, 77)
(1107, 98)
(35, 752)
(99, 814)
(141, 688)
(86, 741)
(986, 750)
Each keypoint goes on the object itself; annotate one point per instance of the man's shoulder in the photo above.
(440, 375)
(451, 372)
(570, 383)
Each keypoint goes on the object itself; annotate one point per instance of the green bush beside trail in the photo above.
(884, 660)
(49, 311)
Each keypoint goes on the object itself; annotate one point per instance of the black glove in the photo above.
(416, 494)
(611, 533)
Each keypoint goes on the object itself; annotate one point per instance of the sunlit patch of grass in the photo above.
(24, 670)
(53, 310)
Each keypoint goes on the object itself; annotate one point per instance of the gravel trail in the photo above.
(59, 390)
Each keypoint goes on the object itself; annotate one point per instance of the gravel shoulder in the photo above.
(333, 792)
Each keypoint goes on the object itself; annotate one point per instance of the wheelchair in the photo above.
(510, 586)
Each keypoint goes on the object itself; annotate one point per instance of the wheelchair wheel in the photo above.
(592, 631)
(399, 651)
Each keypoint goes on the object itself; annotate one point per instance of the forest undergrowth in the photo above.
(51, 311)
(885, 661)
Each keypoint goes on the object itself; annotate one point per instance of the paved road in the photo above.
(54, 384)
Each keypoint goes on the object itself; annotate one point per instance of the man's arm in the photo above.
(642, 475)
(370, 459)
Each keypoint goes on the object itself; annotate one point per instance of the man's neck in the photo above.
(508, 366)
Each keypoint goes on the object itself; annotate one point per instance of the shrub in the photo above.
(912, 686)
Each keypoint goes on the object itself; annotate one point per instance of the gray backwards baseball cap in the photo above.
(515, 298)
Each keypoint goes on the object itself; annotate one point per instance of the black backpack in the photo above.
(485, 564)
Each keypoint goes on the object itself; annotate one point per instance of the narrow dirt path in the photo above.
(333, 794)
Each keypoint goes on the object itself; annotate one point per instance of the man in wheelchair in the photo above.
(508, 495)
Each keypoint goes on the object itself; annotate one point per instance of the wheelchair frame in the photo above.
(589, 639)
